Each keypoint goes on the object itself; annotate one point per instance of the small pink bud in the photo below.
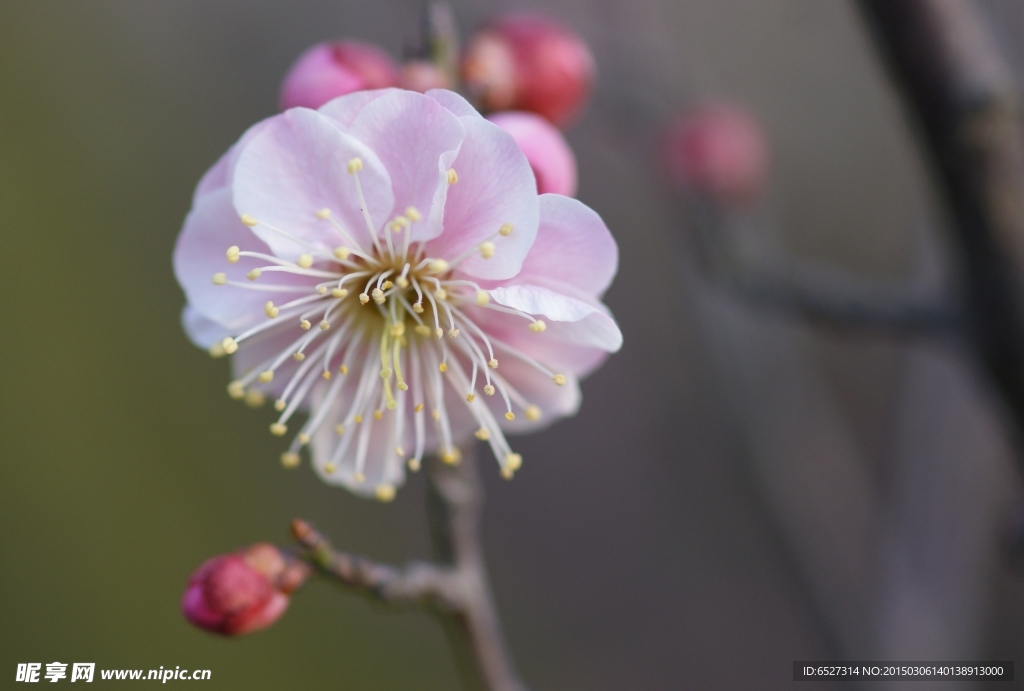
(422, 76)
(545, 148)
(529, 62)
(239, 593)
(721, 151)
(329, 70)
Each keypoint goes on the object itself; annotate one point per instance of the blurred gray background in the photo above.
(739, 491)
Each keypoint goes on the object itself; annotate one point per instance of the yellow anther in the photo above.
(538, 326)
(323, 214)
(453, 177)
(402, 386)
(399, 224)
(532, 413)
(267, 376)
(378, 296)
(438, 266)
(233, 254)
(513, 461)
(443, 367)
(303, 438)
(249, 220)
(339, 292)
(487, 249)
(236, 390)
(483, 434)
(400, 451)
(439, 332)
(325, 325)
(435, 414)
(342, 253)
(229, 345)
(414, 464)
(280, 405)
(559, 379)
(343, 369)
(254, 398)
(358, 419)
(385, 492)
(327, 375)
(505, 230)
(412, 213)
(278, 429)
(453, 333)
(359, 477)
(339, 430)
(220, 279)
(397, 329)
(305, 325)
(386, 285)
(299, 357)
(489, 390)
(217, 350)
(254, 274)
(451, 456)
(470, 397)
(355, 165)
(270, 310)
(330, 468)
(422, 329)
(364, 298)
(385, 373)
(305, 260)
(418, 408)
(290, 459)
(507, 473)
(493, 363)
(482, 297)
(321, 290)
(417, 307)
(510, 416)
(441, 294)
(402, 282)
(378, 414)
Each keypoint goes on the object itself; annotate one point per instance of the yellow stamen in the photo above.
(305, 325)
(236, 390)
(290, 459)
(489, 390)
(422, 329)
(220, 279)
(364, 298)
(254, 274)
(343, 369)
(249, 220)
(339, 430)
(510, 416)
(342, 253)
(355, 165)
(493, 363)
(483, 434)
(339, 293)
(414, 464)
(278, 429)
(303, 438)
(559, 379)
(482, 297)
(438, 266)
(412, 213)
(453, 177)
(267, 377)
(305, 261)
(513, 461)
(487, 249)
(505, 230)
(378, 414)
(233, 254)
(325, 325)
(538, 326)
(229, 345)
(418, 408)
(280, 405)
(323, 214)
(321, 290)
(532, 413)
(385, 493)
(443, 367)
(270, 310)
(299, 357)
(254, 398)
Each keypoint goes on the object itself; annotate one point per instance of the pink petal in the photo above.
(570, 319)
(210, 228)
(554, 401)
(573, 247)
(453, 102)
(417, 140)
(344, 109)
(222, 172)
(202, 331)
(297, 166)
(495, 187)
(553, 162)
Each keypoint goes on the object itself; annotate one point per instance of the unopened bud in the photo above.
(529, 62)
(329, 70)
(545, 148)
(242, 592)
(721, 151)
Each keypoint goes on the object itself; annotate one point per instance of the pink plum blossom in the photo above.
(329, 70)
(549, 154)
(386, 263)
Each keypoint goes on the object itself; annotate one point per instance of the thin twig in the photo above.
(456, 588)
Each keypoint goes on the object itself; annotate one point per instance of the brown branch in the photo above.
(456, 588)
(965, 102)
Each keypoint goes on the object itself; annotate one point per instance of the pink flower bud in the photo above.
(528, 62)
(721, 151)
(329, 70)
(238, 593)
(545, 148)
(422, 76)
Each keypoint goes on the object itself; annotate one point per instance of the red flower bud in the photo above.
(422, 76)
(721, 151)
(545, 148)
(528, 62)
(238, 593)
(329, 70)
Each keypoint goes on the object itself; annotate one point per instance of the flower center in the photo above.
(402, 323)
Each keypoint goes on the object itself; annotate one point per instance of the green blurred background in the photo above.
(637, 549)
